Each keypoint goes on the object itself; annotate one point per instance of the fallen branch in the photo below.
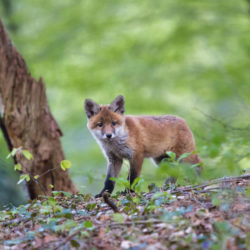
(69, 238)
(216, 181)
(107, 200)
(136, 222)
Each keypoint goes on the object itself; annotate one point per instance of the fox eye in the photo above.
(99, 124)
(114, 123)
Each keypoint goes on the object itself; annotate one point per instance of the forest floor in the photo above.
(215, 215)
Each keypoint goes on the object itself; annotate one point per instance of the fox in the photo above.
(135, 138)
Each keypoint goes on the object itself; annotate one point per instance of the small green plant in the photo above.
(175, 168)
(18, 166)
(26, 153)
(23, 177)
(136, 186)
(65, 164)
(121, 182)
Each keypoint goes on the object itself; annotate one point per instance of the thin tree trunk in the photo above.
(26, 122)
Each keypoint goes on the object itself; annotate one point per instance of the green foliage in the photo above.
(137, 184)
(125, 183)
(65, 164)
(224, 231)
(88, 224)
(22, 151)
(13, 152)
(157, 201)
(27, 154)
(171, 155)
(57, 193)
(23, 177)
(18, 167)
(174, 168)
(121, 182)
(118, 217)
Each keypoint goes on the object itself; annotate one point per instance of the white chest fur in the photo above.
(118, 147)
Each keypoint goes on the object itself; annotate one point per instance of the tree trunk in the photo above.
(26, 122)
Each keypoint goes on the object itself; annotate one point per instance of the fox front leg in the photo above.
(114, 167)
(135, 169)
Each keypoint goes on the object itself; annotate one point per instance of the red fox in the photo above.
(135, 138)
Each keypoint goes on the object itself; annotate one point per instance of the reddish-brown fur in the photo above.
(153, 136)
(146, 136)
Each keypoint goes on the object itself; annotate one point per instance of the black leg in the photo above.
(135, 170)
(114, 168)
(108, 187)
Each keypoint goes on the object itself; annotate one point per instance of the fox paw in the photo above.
(98, 195)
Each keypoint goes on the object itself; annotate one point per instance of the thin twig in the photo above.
(216, 181)
(107, 200)
(225, 125)
(39, 184)
(46, 172)
(135, 222)
(70, 237)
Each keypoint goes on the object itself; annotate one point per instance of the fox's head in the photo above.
(106, 122)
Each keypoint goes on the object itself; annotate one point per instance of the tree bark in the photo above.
(26, 122)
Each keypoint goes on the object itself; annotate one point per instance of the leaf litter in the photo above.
(209, 216)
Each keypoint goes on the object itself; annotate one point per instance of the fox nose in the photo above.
(108, 136)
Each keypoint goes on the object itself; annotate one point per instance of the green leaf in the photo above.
(137, 184)
(67, 194)
(247, 192)
(122, 182)
(223, 227)
(27, 177)
(196, 165)
(185, 155)
(51, 186)
(88, 224)
(118, 217)
(74, 243)
(18, 167)
(27, 154)
(136, 180)
(65, 164)
(23, 177)
(51, 201)
(216, 201)
(67, 225)
(13, 152)
(91, 206)
(171, 155)
(36, 177)
(14, 241)
(157, 195)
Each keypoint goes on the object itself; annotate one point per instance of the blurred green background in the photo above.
(188, 58)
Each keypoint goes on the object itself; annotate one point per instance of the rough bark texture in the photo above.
(26, 122)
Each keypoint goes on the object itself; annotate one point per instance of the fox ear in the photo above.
(91, 108)
(118, 105)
